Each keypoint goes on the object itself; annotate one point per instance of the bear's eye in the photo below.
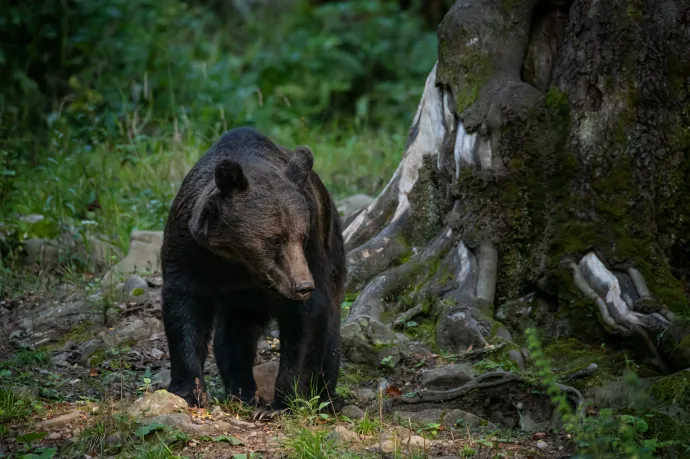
(277, 240)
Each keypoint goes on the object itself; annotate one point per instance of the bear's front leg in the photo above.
(188, 323)
(309, 358)
(237, 330)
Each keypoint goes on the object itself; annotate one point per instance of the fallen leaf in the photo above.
(93, 372)
(393, 391)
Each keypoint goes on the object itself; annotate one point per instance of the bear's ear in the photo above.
(230, 177)
(300, 165)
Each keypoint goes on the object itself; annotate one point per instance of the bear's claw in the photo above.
(265, 412)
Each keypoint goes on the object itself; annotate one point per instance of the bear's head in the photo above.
(258, 216)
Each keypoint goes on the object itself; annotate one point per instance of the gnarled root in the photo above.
(617, 297)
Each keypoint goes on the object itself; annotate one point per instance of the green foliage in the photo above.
(609, 435)
(109, 102)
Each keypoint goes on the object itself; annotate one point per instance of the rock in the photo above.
(471, 420)
(448, 376)
(135, 330)
(42, 252)
(184, 423)
(51, 321)
(414, 442)
(156, 353)
(618, 394)
(527, 424)
(462, 326)
(158, 403)
(349, 206)
(265, 376)
(161, 379)
(428, 416)
(217, 413)
(366, 340)
(541, 444)
(344, 436)
(89, 348)
(55, 436)
(365, 394)
(135, 288)
(352, 412)
(516, 357)
(61, 421)
(143, 255)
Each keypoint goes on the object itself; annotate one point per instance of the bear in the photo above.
(253, 235)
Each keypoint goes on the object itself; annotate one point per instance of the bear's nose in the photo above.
(304, 288)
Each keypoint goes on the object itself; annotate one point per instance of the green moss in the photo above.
(472, 67)
(673, 389)
(424, 332)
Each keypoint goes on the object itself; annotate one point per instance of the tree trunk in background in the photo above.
(544, 181)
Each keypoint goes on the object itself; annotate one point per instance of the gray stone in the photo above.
(366, 340)
(618, 394)
(156, 353)
(161, 379)
(471, 420)
(135, 288)
(352, 412)
(88, 348)
(344, 436)
(428, 416)
(42, 252)
(265, 376)
(527, 424)
(541, 444)
(448, 376)
(516, 357)
(365, 394)
(143, 255)
(462, 326)
(135, 330)
(51, 321)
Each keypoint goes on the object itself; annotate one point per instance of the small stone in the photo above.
(455, 418)
(342, 435)
(448, 376)
(55, 436)
(135, 289)
(527, 424)
(217, 412)
(365, 394)
(158, 403)
(156, 353)
(162, 378)
(415, 441)
(542, 444)
(352, 412)
(265, 376)
(60, 421)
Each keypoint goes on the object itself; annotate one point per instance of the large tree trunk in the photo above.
(546, 169)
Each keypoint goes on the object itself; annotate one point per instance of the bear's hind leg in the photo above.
(188, 322)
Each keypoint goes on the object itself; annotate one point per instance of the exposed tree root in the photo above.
(487, 381)
(617, 308)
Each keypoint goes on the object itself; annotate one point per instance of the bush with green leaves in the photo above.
(607, 435)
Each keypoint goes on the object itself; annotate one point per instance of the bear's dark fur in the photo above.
(253, 234)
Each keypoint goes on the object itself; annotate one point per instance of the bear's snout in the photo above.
(303, 290)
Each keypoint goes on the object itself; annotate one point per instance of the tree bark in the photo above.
(547, 167)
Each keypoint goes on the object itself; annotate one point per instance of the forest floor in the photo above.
(86, 383)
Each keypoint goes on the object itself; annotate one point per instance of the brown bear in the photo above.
(253, 234)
